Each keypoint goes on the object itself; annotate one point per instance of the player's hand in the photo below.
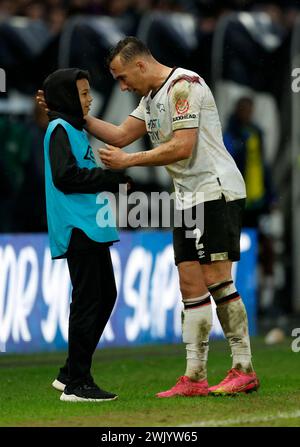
(113, 157)
(40, 99)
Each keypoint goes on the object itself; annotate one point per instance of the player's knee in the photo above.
(216, 273)
(190, 287)
(186, 288)
(191, 280)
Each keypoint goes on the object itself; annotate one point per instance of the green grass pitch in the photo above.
(136, 374)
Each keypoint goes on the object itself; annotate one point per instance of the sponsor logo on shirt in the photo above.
(154, 124)
(154, 136)
(189, 116)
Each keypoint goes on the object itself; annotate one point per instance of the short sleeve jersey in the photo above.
(184, 101)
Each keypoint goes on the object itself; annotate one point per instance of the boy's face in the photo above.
(83, 87)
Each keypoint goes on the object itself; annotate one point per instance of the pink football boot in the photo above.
(236, 382)
(186, 387)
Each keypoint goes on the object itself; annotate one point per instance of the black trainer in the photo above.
(87, 392)
(63, 379)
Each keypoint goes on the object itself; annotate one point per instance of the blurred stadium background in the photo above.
(243, 49)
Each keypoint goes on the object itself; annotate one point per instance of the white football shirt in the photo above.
(184, 101)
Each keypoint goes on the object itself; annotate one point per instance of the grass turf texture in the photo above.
(136, 374)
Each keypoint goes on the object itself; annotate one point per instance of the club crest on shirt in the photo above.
(182, 106)
(160, 107)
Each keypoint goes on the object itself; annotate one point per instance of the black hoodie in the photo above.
(62, 98)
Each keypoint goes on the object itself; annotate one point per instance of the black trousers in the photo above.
(93, 298)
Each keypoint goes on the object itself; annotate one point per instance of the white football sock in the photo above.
(233, 318)
(196, 326)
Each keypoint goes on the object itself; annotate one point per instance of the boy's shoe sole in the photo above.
(73, 398)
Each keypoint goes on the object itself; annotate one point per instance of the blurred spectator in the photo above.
(125, 13)
(56, 4)
(15, 154)
(168, 5)
(30, 209)
(22, 179)
(7, 8)
(78, 6)
(35, 10)
(206, 14)
(244, 140)
(56, 19)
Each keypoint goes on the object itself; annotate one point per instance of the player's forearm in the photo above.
(106, 132)
(163, 155)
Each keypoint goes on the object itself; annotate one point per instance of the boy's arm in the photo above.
(69, 178)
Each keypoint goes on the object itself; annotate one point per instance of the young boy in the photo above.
(72, 184)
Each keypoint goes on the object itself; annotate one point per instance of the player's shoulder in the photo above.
(183, 77)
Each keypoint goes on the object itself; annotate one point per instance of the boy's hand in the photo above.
(40, 99)
(113, 157)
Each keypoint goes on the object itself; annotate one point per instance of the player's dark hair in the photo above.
(128, 48)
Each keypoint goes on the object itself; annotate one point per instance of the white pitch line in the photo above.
(244, 420)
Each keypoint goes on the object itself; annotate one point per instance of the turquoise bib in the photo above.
(91, 213)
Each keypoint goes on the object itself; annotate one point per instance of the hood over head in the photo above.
(62, 97)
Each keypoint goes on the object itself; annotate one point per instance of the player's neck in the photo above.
(161, 73)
